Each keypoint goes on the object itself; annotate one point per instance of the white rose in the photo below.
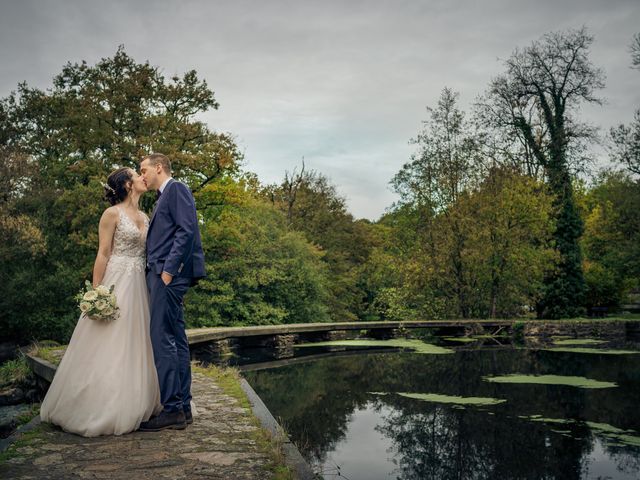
(90, 295)
(85, 306)
(107, 312)
(112, 300)
(102, 290)
(101, 305)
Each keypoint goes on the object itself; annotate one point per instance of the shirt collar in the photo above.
(164, 184)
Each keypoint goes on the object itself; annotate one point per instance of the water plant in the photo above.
(580, 382)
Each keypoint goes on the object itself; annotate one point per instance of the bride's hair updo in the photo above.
(115, 190)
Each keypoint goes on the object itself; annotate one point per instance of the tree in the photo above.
(635, 51)
(313, 206)
(626, 139)
(97, 117)
(626, 144)
(509, 248)
(59, 146)
(446, 164)
(611, 241)
(550, 79)
(259, 271)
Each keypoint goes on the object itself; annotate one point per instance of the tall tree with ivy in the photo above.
(552, 77)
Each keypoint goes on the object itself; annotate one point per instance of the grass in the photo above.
(228, 379)
(49, 351)
(26, 417)
(14, 372)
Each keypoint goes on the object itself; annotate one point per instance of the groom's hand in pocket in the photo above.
(166, 278)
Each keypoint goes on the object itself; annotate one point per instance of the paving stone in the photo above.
(220, 444)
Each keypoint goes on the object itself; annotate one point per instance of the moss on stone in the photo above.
(20, 447)
(47, 351)
(228, 378)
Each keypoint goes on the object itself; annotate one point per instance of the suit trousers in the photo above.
(169, 340)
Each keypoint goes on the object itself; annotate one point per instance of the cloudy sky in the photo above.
(343, 84)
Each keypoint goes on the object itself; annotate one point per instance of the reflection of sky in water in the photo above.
(597, 465)
(359, 459)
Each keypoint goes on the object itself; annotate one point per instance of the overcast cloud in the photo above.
(343, 84)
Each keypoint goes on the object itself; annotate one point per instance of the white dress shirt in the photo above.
(164, 184)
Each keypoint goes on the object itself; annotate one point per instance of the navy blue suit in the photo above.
(173, 246)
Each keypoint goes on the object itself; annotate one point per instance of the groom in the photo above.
(175, 261)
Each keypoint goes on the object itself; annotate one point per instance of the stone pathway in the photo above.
(224, 442)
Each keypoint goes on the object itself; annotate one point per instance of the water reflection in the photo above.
(327, 407)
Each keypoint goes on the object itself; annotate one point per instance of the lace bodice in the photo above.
(128, 252)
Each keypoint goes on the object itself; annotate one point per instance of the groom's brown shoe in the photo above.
(188, 417)
(172, 420)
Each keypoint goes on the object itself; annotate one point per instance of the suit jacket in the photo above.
(173, 238)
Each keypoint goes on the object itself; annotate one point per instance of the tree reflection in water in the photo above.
(317, 402)
(448, 443)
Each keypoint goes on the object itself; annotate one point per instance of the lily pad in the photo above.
(416, 345)
(578, 341)
(540, 418)
(460, 339)
(622, 436)
(580, 382)
(628, 439)
(615, 436)
(596, 351)
(437, 398)
(604, 427)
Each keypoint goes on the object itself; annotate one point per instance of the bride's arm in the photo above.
(107, 226)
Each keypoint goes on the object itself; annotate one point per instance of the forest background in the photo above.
(502, 210)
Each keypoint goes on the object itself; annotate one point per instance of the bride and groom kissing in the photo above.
(134, 372)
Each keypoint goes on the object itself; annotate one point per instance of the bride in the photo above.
(106, 383)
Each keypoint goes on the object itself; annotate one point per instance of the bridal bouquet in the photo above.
(98, 303)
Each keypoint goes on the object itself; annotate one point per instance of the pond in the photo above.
(459, 411)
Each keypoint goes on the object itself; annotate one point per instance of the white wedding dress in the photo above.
(106, 383)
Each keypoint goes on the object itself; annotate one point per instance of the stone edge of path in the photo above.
(44, 370)
(7, 442)
(293, 457)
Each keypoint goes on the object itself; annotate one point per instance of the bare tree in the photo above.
(626, 138)
(290, 186)
(626, 144)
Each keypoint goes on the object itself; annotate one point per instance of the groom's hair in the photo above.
(159, 158)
